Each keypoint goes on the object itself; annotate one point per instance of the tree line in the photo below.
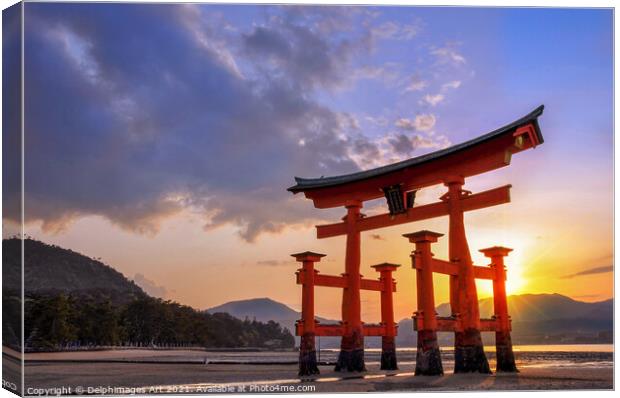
(64, 321)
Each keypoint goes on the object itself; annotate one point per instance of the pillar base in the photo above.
(307, 356)
(428, 357)
(351, 357)
(504, 353)
(469, 356)
(388, 353)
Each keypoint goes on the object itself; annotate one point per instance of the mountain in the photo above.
(51, 269)
(263, 310)
(537, 319)
(541, 307)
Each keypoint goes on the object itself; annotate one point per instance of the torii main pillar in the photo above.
(351, 357)
(469, 353)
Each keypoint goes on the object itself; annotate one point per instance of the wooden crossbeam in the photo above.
(450, 268)
(371, 284)
(330, 281)
(335, 330)
(484, 273)
(341, 282)
(492, 197)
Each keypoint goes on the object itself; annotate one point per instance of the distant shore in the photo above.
(529, 347)
(14, 350)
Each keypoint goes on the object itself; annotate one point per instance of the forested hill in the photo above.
(74, 301)
(52, 269)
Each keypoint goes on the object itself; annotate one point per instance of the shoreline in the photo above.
(588, 347)
(193, 372)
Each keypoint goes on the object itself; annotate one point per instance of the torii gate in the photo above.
(399, 182)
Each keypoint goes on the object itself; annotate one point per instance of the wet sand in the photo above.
(61, 370)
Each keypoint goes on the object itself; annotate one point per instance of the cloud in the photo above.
(150, 287)
(386, 73)
(416, 84)
(588, 296)
(452, 84)
(380, 121)
(304, 56)
(423, 122)
(179, 115)
(591, 271)
(403, 144)
(449, 55)
(365, 152)
(396, 31)
(376, 237)
(170, 108)
(273, 263)
(432, 100)
(392, 147)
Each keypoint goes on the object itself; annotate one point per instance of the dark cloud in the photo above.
(376, 237)
(596, 270)
(404, 144)
(150, 287)
(365, 151)
(11, 113)
(298, 48)
(136, 112)
(401, 144)
(273, 263)
(588, 296)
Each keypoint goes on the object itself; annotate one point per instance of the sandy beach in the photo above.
(184, 371)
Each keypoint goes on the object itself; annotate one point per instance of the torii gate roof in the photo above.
(472, 157)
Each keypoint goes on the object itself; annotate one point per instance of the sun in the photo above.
(516, 281)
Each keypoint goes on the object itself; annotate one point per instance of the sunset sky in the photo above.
(162, 139)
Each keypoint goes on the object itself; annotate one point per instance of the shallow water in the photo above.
(590, 355)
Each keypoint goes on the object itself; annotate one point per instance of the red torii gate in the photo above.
(399, 182)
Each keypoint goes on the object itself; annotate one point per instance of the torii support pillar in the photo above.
(307, 351)
(388, 344)
(351, 357)
(503, 341)
(469, 353)
(428, 357)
